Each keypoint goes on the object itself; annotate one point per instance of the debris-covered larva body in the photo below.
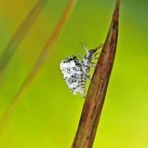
(76, 72)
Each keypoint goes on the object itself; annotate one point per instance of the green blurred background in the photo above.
(48, 115)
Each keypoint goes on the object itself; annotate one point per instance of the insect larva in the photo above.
(76, 72)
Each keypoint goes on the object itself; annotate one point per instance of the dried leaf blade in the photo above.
(97, 90)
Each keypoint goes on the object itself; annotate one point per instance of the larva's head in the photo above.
(90, 53)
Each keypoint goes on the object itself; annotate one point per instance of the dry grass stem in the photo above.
(93, 105)
(38, 64)
(19, 35)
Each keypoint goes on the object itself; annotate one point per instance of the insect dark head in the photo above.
(92, 51)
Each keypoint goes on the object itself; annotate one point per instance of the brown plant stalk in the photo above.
(37, 66)
(93, 105)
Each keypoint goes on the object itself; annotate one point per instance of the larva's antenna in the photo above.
(80, 55)
(86, 49)
(83, 44)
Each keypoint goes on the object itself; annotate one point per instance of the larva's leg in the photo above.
(93, 63)
(94, 66)
(89, 77)
(83, 94)
(95, 55)
(96, 58)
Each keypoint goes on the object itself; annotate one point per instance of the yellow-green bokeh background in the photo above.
(49, 114)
